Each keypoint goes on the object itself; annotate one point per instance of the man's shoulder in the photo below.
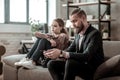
(93, 30)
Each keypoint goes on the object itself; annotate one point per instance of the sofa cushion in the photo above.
(39, 73)
(10, 60)
(111, 67)
(111, 48)
(111, 78)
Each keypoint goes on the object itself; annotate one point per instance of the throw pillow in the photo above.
(108, 68)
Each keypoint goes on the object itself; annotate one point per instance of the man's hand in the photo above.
(52, 53)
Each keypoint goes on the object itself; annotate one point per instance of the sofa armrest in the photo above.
(2, 50)
(10, 60)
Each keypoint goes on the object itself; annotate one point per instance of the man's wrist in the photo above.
(64, 54)
(61, 53)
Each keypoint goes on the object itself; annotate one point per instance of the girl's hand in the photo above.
(37, 34)
(40, 35)
(53, 43)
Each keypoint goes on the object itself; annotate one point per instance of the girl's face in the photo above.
(55, 27)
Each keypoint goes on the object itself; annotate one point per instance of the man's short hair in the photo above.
(79, 12)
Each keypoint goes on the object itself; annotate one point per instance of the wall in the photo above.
(11, 35)
(61, 11)
(116, 24)
(115, 9)
(12, 41)
(19, 28)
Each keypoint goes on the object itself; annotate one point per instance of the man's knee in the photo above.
(50, 63)
(71, 64)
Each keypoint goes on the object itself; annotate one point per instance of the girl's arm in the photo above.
(46, 36)
(41, 35)
(63, 40)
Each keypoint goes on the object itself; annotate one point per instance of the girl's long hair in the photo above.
(61, 24)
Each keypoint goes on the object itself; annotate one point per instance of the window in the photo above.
(37, 10)
(20, 11)
(1, 11)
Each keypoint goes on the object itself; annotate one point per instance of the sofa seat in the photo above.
(9, 69)
(39, 73)
(20, 73)
(2, 52)
(11, 72)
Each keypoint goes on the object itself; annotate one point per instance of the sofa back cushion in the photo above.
(111, 48)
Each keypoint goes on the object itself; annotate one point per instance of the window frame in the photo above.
(7, 13)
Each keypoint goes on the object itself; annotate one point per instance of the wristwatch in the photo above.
(61, 54)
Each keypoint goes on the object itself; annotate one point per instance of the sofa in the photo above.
(2, 51)
(109, 70)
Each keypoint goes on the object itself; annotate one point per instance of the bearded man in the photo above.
(84, 54)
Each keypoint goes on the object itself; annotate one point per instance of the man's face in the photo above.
(77, 23)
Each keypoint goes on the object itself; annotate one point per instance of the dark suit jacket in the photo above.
(91, 51)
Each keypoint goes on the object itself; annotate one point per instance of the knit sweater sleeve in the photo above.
(62, 41)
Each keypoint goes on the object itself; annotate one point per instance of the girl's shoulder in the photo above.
(63, 34)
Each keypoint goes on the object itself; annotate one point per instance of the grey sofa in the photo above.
(111, 48)
(2, 51)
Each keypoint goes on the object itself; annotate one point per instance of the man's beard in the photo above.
(79, 28)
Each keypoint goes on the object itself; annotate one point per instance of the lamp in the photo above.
(68, 24)
(69, 27)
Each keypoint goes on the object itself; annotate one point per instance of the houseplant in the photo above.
(105, 34)
(35, 26)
